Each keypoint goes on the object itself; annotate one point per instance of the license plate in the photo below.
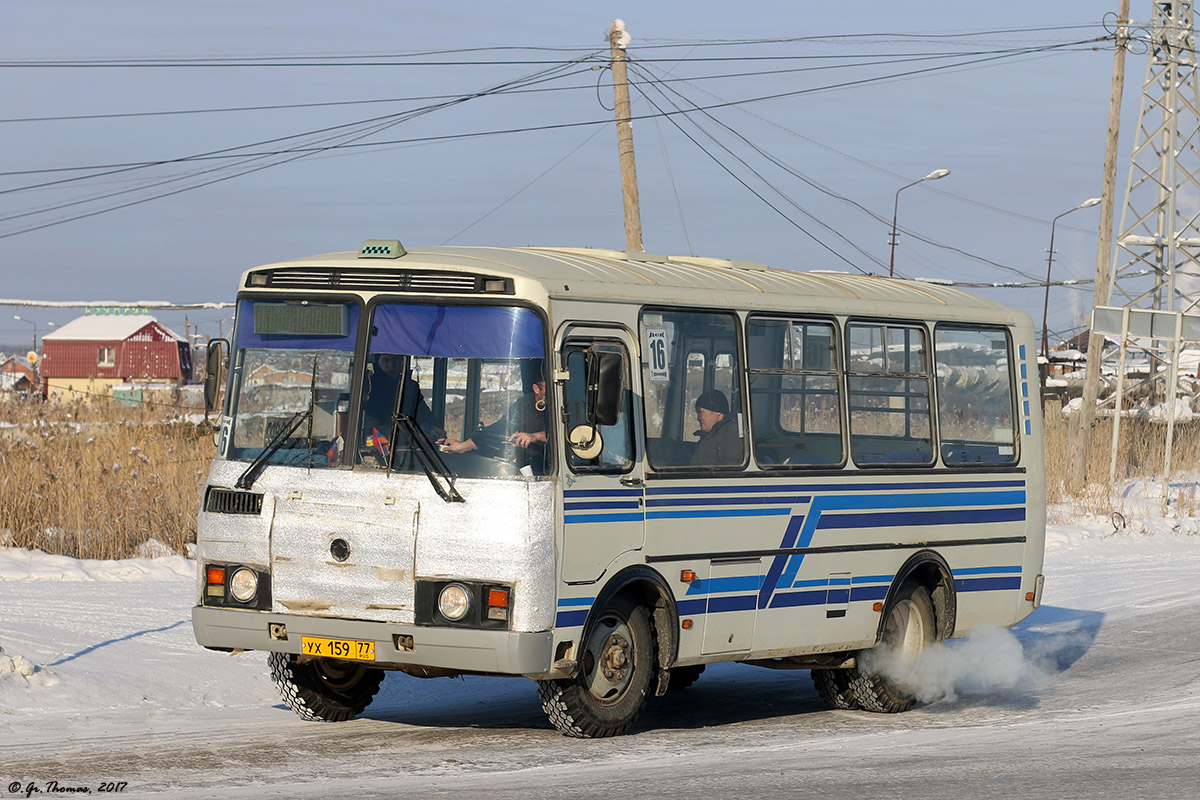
(337, 648)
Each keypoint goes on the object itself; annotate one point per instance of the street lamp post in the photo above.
(1049, 261)
(29, 322)
(937, 174)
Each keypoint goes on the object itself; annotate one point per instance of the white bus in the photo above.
(603, 470)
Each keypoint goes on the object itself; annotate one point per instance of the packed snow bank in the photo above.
(17, 564)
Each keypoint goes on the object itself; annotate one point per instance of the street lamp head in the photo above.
(1095, 201)
(937, 174)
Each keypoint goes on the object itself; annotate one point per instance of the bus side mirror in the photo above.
(604, 387)
(213, 360)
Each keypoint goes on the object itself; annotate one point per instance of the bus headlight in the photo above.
(454, 601)
(243, 585)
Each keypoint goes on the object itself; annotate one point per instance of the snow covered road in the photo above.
(1096, 695)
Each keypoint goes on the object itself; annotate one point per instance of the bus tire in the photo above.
(683, 677)
(615, 667)
(910, 627)
(324, 690)
(833, 687)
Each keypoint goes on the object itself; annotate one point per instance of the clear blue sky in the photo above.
(1024, 138)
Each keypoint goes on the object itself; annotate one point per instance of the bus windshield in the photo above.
(291, 376)
(471, 378)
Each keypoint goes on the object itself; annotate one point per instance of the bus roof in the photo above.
(589, 274)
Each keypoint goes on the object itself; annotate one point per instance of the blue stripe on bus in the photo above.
(868, 593)
(1028, 428)
(742, 583)
(602, 493)
(830, 487)
(691, 607)
(987, 570)
(872, 579)
(907, 518)
(1021, 351)
(783, 570)
(987, 584)
(576, 601)
(791, 599)
(1024, 375)
(742, 602)
(727, 512)
(570, 619)
(601, 505)
(1024, 389)
(571, 519)
(697, 501)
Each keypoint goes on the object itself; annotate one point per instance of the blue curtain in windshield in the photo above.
(458, 331)
(341, 339)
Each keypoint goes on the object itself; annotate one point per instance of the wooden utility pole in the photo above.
(1100, 292)
(617, 40)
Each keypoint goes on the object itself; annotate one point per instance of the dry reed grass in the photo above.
(97, 480)
(1140, 454)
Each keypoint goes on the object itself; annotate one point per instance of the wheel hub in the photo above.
(614, 658)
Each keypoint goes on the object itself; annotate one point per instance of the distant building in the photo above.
(99, 353)
(18, 376)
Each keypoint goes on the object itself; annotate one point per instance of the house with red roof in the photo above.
(97, 353)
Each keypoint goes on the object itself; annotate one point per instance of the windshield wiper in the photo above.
(312, 405)
(428, 457)
(247, 478)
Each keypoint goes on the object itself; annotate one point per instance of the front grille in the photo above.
(227, 501)
(379, 280)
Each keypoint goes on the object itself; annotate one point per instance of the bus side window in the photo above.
(691, 358)
(887, 373)
(976, 424)
(795, 402)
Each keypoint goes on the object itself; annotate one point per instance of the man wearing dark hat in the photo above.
(720, 442)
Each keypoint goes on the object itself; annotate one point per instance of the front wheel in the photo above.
(882, 678)
(324, 690)
(608, 692)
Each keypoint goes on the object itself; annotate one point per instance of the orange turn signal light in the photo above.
(878, 606)
(216, 575)
(686, 624)
(497, 598)
(1029, 596)
(687, 576)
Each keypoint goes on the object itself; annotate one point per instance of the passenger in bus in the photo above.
(382, 384)
(720, 441)
(526, 417)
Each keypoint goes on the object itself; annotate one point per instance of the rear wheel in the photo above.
(615, 667)
(833, 685)
(878, 681)
(324, 690)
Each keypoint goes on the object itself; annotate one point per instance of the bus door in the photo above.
(603, 507)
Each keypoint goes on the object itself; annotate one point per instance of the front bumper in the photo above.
(467, 650)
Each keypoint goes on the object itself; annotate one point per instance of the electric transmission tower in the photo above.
(1154, 285)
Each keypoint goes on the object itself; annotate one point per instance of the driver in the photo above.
(527, 416)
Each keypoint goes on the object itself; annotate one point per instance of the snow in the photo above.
(1095, 695)
(106, 327)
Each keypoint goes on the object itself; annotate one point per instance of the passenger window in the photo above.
(614, 445)
(975, 396)
(888, 384)
(794, 395)
(691, 390)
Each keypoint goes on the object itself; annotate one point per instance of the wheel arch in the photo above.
(926, 568)
(649, 588)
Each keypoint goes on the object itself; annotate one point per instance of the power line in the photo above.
(751, 189)
(297, 152)
(820, 187)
